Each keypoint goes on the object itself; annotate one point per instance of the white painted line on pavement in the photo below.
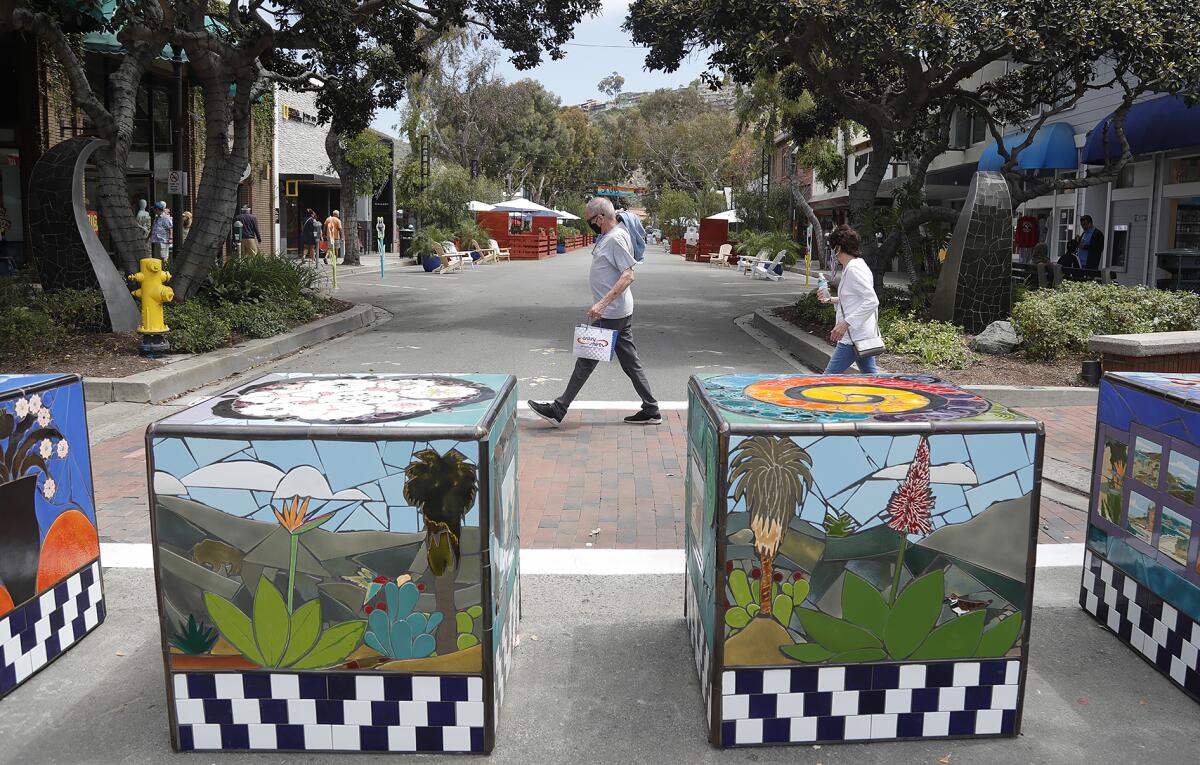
(582, 561)
(664, 405)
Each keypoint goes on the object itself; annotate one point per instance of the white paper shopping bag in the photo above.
(595, 343)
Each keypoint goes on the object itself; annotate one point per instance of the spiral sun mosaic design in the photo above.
(841, 398)
(361, 400)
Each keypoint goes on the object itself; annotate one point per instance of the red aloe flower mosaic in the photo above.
(912, 501)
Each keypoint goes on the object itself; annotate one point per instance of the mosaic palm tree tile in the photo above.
(356, 532)
(817, 548)
(1144, 518)
(50, 592)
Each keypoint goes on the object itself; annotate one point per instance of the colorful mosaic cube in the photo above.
(337, 562)
(1141, 574)
(50, 591)
(860, 553)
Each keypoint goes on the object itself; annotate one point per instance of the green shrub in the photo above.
(809, 310)
(468, 231)
(24, 331)
(1058, 322)
(255, 319)
(258, 278)
(196, 327)
(77, 311)
(935, 343)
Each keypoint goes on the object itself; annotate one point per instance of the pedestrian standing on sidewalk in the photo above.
(161, 229)
(250, 237)
(610, 278)
(310, 232)
(857, 304)
(333, 233)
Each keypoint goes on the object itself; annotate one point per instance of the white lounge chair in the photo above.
(453, 251)
(746, 263)
(721, 257)
(765, 269)
(501, 253)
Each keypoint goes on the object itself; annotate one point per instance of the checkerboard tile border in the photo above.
(1165, 637)
(699, 648)
(37, 632)
(507, 642)
(870, 702)
(328, 712)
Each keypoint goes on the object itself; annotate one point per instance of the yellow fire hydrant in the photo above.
(153, 292)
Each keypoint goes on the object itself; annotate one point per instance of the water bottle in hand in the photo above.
(822, 289)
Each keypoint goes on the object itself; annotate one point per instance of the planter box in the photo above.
(336, 561)
(50, 588)
(678, 247)
(1140, 576)
(859, 558)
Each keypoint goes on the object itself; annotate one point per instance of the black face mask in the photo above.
(594, 227)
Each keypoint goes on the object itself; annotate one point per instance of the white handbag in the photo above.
(867, 347)
(594, 342)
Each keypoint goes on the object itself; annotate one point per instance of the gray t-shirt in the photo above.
(612, 255)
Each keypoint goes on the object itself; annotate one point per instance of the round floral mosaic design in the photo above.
(351, 400)
(844, 398)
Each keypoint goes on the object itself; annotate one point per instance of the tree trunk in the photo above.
(764, 585)
(447, 631)
(225, 160)
(863, 194)
(797, 190)
(120, 219)
(348, 199)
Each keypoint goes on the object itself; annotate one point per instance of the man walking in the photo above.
(610, 279)
(161, 229)
(250, 237)
(333, 233)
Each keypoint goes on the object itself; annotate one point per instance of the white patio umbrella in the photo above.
(563, 215)
(523, 205)
(474, 206)
(728, 215)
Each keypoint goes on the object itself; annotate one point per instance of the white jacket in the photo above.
(857, 304)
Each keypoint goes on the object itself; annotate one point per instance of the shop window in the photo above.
(1185, 170)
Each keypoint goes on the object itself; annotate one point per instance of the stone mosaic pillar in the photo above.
(975, 286)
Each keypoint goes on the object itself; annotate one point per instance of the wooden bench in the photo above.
(1149, 352)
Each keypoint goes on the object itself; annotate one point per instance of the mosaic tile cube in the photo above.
(50, 590)
(1141, 576)
(337, 561)
(859, 554)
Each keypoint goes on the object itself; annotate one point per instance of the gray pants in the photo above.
(630, 363)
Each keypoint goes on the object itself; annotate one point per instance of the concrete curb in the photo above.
(191, 372)
(815, 353)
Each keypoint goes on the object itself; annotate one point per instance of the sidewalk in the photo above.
(593, 473)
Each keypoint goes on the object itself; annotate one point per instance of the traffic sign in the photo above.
(177, 182)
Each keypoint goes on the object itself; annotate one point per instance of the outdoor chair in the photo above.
(486, 255)
(765, 269)
(721, 258)
(464, 258)
(501, 253)
(449, 263)
(746, 263)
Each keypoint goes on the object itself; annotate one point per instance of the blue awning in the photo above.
(1052, 148)
(1160, 124)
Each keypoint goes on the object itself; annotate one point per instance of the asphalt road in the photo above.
(604, 674)
(517, 318)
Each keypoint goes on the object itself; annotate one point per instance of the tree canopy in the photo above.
(900, 70)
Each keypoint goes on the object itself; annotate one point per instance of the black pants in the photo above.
(630, 363)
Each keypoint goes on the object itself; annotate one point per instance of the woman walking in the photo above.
(857, 304)
(310, 230)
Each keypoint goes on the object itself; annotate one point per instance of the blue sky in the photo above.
(574, 77)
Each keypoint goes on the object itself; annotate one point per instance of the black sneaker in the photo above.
(546, 411)
(644, 418)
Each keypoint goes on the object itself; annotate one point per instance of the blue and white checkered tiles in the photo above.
(36, 633)
(1168, 639)
(699, 648)
(507, 642)
(329, 712)
(869, 702)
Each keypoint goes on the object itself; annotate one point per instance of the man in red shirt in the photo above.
(1026, 237)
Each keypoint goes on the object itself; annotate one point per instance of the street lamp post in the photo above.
(177, 125)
